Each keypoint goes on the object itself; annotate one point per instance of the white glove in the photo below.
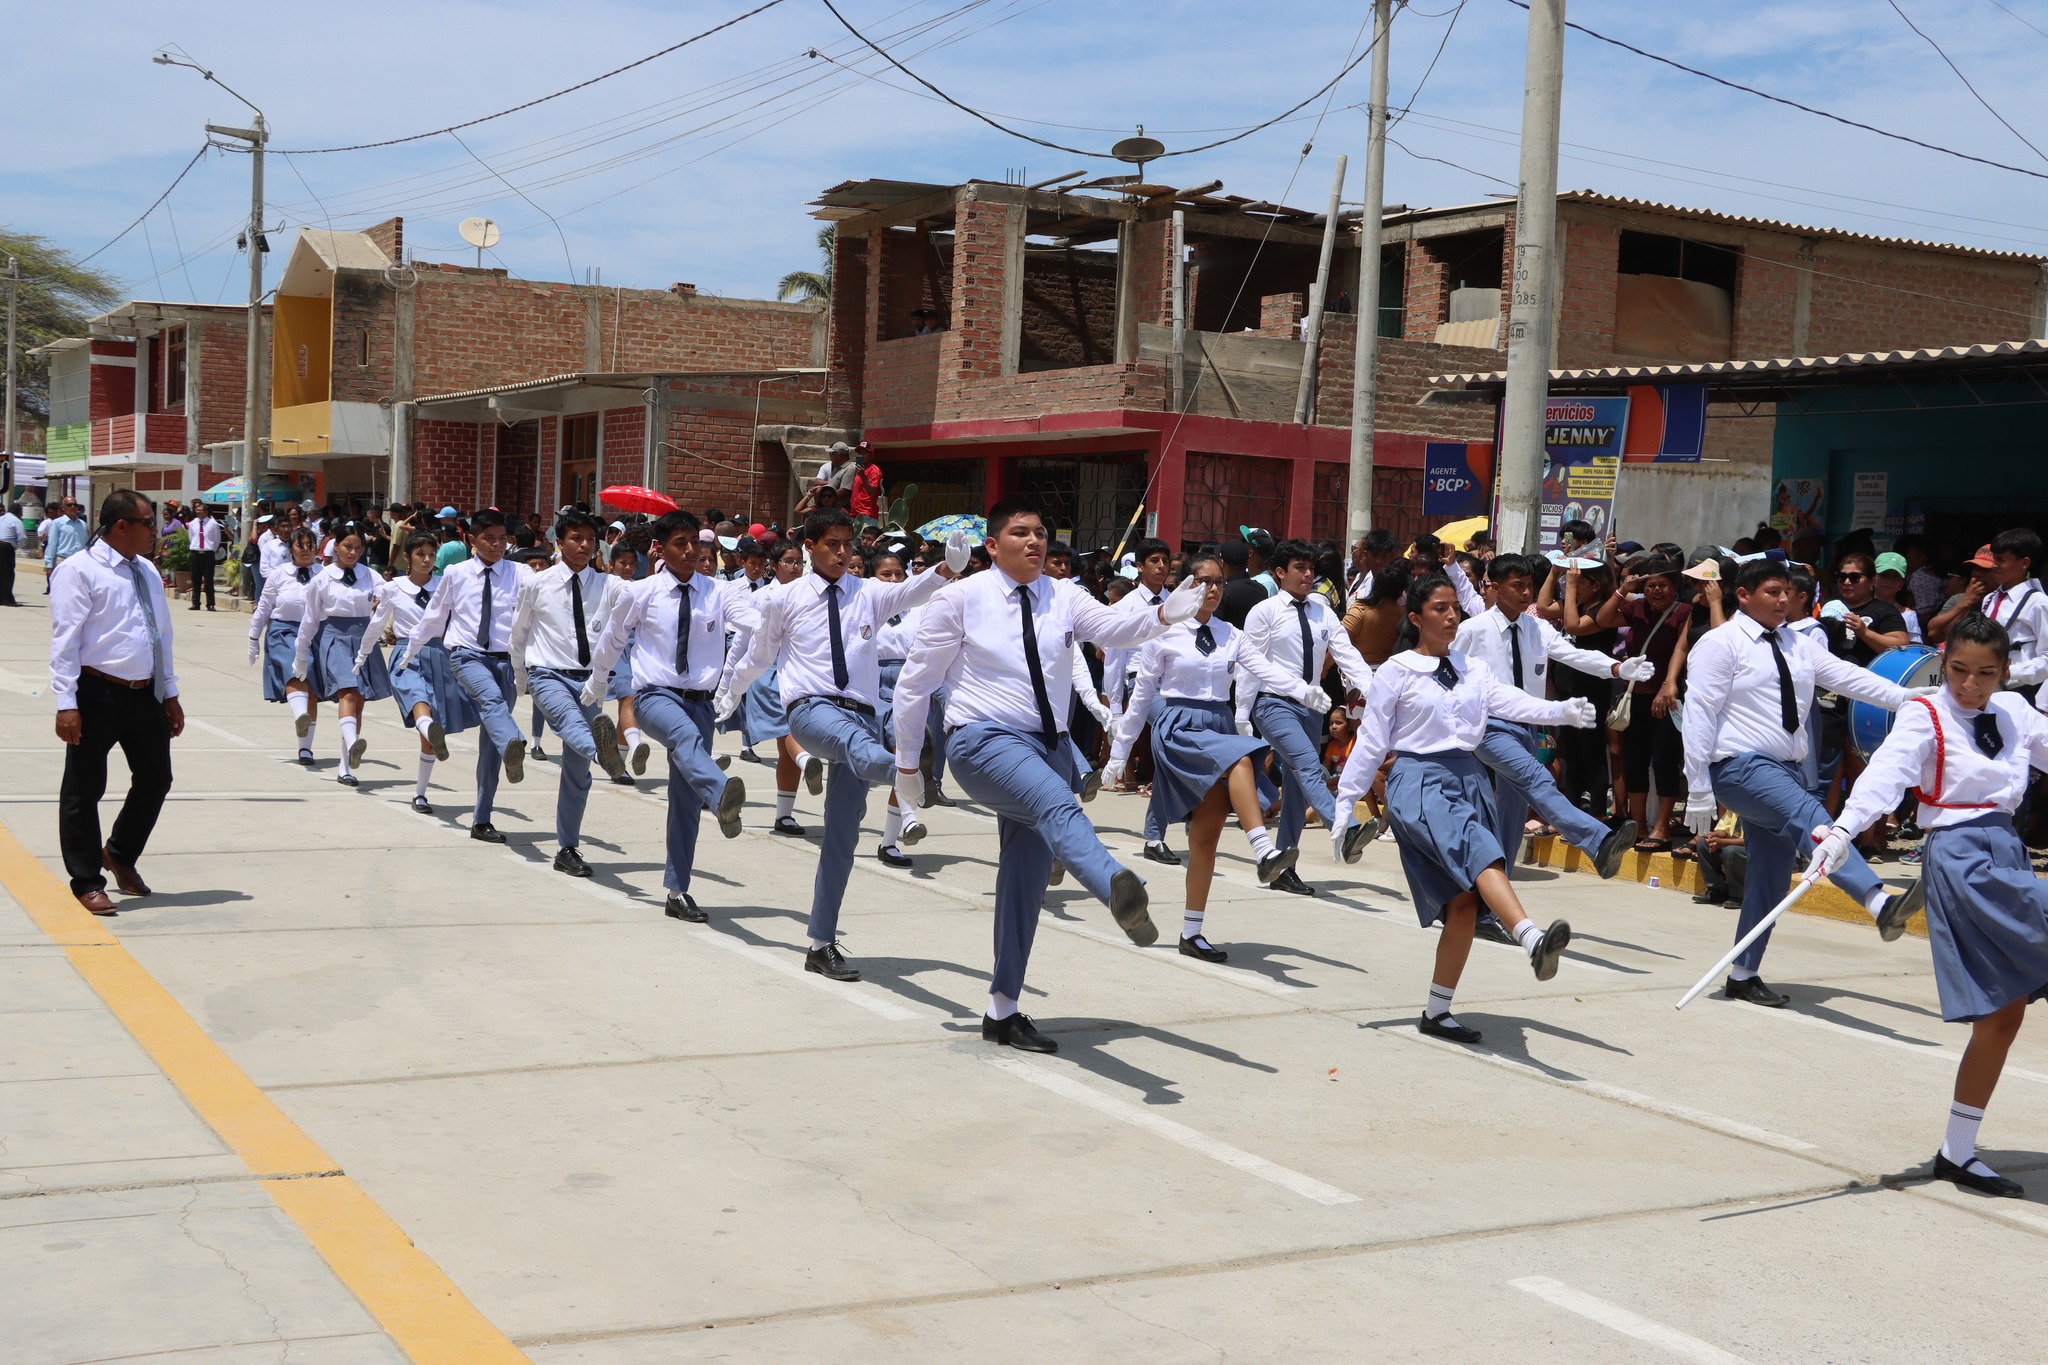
(909, 790)
(1112, 772)
(298, 670)
(2027, 672)
(1700, 813)
(1183, 602)
(1637, 669)
(724, 704)
(1092, 704)
(253, 651)
(1579, 713)
(593, 691)
(958, 552)
(1831, 847)
(520, 686)
(1914, 693)
(1244, 727)
(1337, 828)
(1315, 699)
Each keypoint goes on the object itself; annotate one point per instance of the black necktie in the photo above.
(582, 630)
(1446, 674)
(1515, 643)
(483, 618)
(1308, 645)
(897, 619)
(1788, 705)
(1988, 738)
(1048, 729)
(683, 630)
(421, 596)
(305, 574)
(1205, 640)
(838, 641)
(348, 575)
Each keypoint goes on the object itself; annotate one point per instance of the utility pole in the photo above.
(1180, 311)
(12, 431)
(1305, 393)
(1534, 287)
(1365, 358)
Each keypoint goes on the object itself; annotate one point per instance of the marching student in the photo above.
(676, 617)
(1749, 687)
(1429, 707)
(332, 631)
(761, 713)
(1288, 641)
(1002, 642)
(560, 612)
(1153, 561)
(274, 635)
(428, 699)
(471, 614)
(1202, 769)
(818, 633)
(1967, 753)
(1518, 646)
(892, 647)
(632, 745)
(2017, 603)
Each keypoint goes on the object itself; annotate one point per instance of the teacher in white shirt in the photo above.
(203, 535)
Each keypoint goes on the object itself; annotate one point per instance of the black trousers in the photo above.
(6, 573)
(133, 718)
(202, 575)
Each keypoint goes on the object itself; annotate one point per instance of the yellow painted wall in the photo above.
(302, 429)
(302, 351)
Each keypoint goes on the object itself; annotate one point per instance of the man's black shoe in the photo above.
(1127, 903)
(1898, 908)
(684, 907)
(515, 761)
(1291, 881)
(1493, 931)
(486, 834)
(1091, 785)
(1016, 1031)
(828, 961)
(570, 861)
(1160, 853)
(730, 804)
(1356, 837)
(1983, 1182)
(1607, 861)
(622, 779)
(1755, 992)
(604, 736)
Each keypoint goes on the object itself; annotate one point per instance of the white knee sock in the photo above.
(424, 724)
(1000, 1006)
(299, 702)
(1439, 1006)
(348, 741)
(633, 739)
(1874, 902)
(1961, 1143)
(785, 804)
(419, 788)
(1261, 842)
(1191, 923)
(1528, 935)
(306, 744)
(892, 827)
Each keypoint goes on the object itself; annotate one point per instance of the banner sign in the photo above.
(1582, 441)
(1457, 478)
(1666, 422)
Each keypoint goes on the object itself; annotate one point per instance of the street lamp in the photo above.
(257, 135)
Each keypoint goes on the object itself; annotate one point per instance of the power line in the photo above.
(1793, 104)
(151, 209)
(566, 257)
(2016, 16)
(1929, 40)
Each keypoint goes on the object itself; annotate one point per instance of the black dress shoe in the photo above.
(1160, 853)
(1016, 1031)
(1607, 861)
(570, 861)
(1275, 863)
(347, 779)
(938, 797)
(356, 752)
(1493, 931)
(437, 740)
(534, 752)
(1897, 909)
(486, 834)
(1127, 903)
(1711, 898)
(785, 825)
(306, 759)
(729, 806)
(622, 779)
(1356, 837)
(1446, 1026)
(1091, 785)
(639, 757)
(515, 761)
(1549, 949)
(604, 737)
(891, 856)
(1291, 881)
(1755, 992)
(1058, 873)
(814, 775)
(1199, 946)
(1983, 1182)
(419, 803)
(829, 962)
(913, 831)
(684, 907)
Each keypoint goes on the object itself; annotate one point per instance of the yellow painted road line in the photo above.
(411, 1298)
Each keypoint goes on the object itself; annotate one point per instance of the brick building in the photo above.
(454, 384)
(1051, 370)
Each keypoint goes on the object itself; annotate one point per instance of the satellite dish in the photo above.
(1138, 150)
(479, 232)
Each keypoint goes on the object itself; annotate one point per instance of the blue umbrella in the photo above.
(938, 528)
(230, 490)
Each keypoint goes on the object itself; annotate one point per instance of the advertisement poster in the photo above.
(1868, 501)
(1457, 478)
(1582, 438)
(1796, 506)
(1667, 424)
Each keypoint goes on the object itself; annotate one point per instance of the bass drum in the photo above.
(1908, 666)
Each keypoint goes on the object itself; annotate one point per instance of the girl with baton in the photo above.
(1967, 753)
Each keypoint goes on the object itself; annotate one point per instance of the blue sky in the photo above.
(697, 166)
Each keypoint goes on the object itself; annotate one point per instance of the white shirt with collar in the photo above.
(1118, 663)
(400, 605)
(1174, 667)
(1271, 652)
(203, 535)
(2023, 610)
(97, 621)
(1732, 704)
(795, 635)
(331, 594)
(1486, 637)
(971, 642)
(544, 623)
(283, 599)
(273, 551)
(12, 530)
(1936, 751)
(649, 611)
(455, 615)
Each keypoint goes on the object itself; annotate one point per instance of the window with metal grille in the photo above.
(1396, 502)
(1088, 501)
(1225, 492)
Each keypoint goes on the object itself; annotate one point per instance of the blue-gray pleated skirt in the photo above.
(280, 649)
(1441, 808)
(1987, 917)
(1194, 743)
(761, 715)
(431, 679)
(331, 665)
(619, 687)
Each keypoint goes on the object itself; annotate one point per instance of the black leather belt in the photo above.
(129, 683)
(859, 708)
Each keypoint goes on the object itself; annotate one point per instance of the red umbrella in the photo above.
(629, 497)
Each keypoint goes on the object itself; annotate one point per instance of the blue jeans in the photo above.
(1031, 790)
(935, 731)
(852, 744)
(1295, 732)
(1520, 782)
(489, 683)
(694, 781)
(1778, 820)
(554, 696)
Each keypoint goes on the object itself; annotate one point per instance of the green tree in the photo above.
(812, 285)
(58, 298)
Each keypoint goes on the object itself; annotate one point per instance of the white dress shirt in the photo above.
(898, 632)
(1731, 695)
(203, 535)
(1943, 761)
(544, 623)
(1486, 637)
(648, 611)
(283, 599)
(1118, 663)
(97, 621)
(12, 531)
(272, 552)
(795, 635)
(1408, 711)
(2023, 611)
(455, 615)
(330, 594)
(971, 642)
(1271, 652)
(1173, 667)
(1470, 600)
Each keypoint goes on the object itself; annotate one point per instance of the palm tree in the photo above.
(811, 285)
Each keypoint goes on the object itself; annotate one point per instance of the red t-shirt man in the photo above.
(864, 498)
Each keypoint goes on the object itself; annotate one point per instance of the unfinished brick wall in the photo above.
(903, 381)
(622, 445)
(917, 272)
(1405, 369)
(446, 461)
(976, 333)
(847, 344)
(389, 238)
(1587, 288)
(1867, 300)
(219, 347)
(1069, 310)
(365, 312)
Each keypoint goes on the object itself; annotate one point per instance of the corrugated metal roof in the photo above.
(1989, 352)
